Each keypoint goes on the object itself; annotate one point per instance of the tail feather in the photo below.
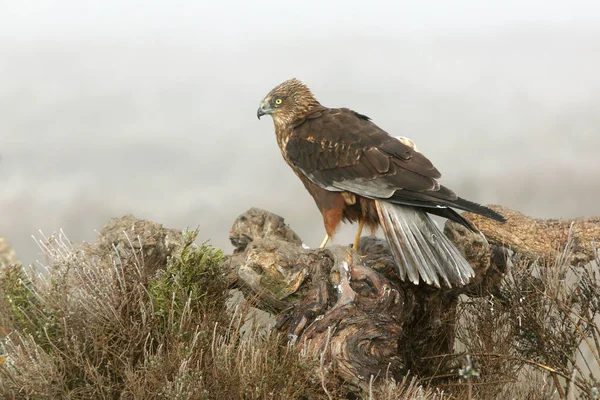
(449, 213)
(420, 249)
(434, 200)
(477, 209)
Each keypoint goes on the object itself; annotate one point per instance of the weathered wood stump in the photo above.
(353, 304)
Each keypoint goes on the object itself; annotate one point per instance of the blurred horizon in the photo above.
(112, 108)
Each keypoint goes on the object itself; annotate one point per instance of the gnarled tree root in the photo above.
(352, 303)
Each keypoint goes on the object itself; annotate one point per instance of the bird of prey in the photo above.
(357, 172)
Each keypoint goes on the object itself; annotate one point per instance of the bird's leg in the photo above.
(360, 228)
(324, 241)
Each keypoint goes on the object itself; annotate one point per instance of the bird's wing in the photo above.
(341, 150)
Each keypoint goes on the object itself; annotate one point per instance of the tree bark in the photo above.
(538, 239)
(353, 305)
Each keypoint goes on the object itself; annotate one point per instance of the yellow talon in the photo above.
(324, 241)
(358, 233)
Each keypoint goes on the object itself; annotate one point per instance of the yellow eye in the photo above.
(278, 101)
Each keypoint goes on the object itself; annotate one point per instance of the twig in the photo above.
(525, 360)
(559, 389)
(478, 383)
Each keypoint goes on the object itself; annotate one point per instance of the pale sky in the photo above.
(220, 22)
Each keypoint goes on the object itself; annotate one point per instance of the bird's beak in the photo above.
(264, 109)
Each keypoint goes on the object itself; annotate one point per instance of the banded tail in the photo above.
(420, 249)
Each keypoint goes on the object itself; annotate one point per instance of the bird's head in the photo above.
(287, 102)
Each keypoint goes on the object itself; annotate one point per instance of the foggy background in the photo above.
(116, 107)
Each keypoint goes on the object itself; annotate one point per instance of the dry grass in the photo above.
(527, 340)
(94, 326)
(98, 324)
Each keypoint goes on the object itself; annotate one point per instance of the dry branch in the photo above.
(539, 239)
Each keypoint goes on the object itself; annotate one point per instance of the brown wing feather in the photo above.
(344, 150)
